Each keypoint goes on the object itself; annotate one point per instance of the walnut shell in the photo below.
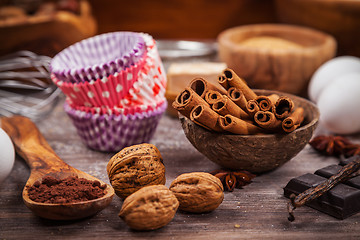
(151, 207)
(198, 192)
(135, 167)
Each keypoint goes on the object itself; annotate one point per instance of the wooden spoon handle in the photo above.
(31, 145)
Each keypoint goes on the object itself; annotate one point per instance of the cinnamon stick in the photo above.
(212, 97)
(267, 120)
(204, 116)
(201, 87)
(186, 100)
(237, 97)
(222, 80)
(225, 106)
(267, 103)
(292, 122)
(234, 80)
(252, 107)
(283, 107)
(237, 126)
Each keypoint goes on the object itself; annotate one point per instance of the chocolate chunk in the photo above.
(344, 161)
(354, 182)
(328, 171)
(334, 169)
(300, 184)
(341, 201)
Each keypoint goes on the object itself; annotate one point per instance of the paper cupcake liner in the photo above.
(98, 57)
(116, 110)
(110, 132)
(151, 84)
(148, 89)
(108, 91)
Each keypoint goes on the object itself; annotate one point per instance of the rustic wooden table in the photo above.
(257, 211)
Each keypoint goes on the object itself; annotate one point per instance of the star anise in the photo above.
(329, 145)
(233, 179)
(351, 150)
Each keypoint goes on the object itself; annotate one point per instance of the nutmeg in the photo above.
(198, 192)
(135, 167)
(151, 207)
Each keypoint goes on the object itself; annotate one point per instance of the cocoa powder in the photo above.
(67, 190)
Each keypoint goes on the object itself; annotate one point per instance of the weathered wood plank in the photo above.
(259, 208)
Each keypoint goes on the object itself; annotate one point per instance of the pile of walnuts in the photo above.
(137, 174)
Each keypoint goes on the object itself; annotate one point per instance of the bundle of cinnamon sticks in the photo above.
(236, 108)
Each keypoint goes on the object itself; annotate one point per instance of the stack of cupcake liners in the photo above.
(115, 97)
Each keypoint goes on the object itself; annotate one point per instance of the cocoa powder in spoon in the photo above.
(67, 190)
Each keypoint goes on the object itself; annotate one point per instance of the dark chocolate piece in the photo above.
(344, 161)
(300, 184)
(354, 182)
(333, 169)
(341, 201)
(328, 171)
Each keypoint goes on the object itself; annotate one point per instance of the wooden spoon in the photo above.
(43, 161)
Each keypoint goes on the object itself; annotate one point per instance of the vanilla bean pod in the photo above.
(314, 192)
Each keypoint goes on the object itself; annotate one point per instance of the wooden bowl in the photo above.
(254, 153)
(284, 59)
(340, 18)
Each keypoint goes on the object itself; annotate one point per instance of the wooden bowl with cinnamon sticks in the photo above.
(243, 129)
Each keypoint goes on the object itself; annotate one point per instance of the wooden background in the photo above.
(205, 19)
(187, 19)
(180, 19)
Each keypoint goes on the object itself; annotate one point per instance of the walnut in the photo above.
(198, 192)
(151, 207)
(135, 167)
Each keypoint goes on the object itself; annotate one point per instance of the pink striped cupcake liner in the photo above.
(112, 132)
(151, 84)
(99, 56)
(107, 91)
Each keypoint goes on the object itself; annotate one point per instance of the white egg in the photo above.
(329, 72)
(339, 105)
(7, 155)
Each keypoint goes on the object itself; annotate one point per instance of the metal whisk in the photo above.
(25, 85)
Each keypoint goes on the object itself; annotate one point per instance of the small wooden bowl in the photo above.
(276, 66)
(254, 153)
